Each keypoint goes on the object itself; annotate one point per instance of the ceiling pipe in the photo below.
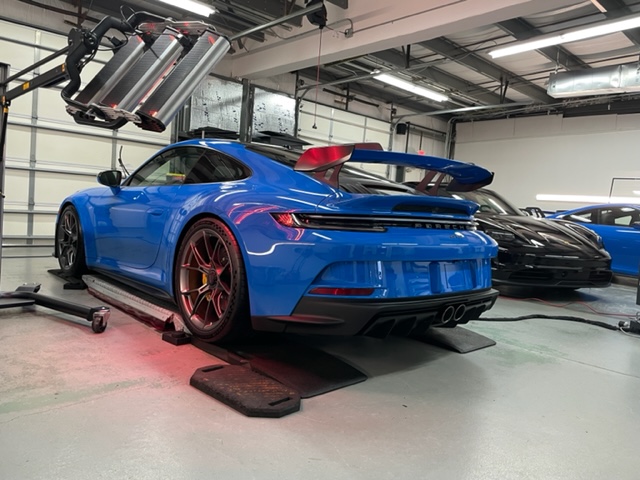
(278, 21)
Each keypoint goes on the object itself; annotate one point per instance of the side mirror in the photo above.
(110, 178)
(635, 225)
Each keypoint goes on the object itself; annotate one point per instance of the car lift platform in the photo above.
(269, 375)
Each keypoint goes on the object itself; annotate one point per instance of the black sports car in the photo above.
(535, 252)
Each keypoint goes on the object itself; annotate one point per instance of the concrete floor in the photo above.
(552, 400)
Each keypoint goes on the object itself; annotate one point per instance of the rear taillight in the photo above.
(368, 223)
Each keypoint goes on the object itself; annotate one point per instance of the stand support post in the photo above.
(4, 116)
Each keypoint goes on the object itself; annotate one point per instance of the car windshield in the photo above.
(352, 180)
(490, 202)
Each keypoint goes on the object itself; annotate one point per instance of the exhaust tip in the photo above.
(448, 313)
(459, 313)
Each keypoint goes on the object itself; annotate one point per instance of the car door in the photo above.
(132, 218)
(621, 239)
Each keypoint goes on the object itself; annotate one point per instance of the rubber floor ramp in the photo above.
(246, 391)
(457, 339)
(73, 283)
(307, 370)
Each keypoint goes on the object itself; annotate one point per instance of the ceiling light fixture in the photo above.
(410, 87)
(191, 6)
(604, 28)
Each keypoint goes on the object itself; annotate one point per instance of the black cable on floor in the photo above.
(596, 323)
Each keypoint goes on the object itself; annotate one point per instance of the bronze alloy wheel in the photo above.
(211, 283)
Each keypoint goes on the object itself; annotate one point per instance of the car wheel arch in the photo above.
(66, 204)
(185, 228)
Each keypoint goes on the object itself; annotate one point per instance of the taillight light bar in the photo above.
(361, 223)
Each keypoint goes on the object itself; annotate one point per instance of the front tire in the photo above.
(71, 257)
(210, 283)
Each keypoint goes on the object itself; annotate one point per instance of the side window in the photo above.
(620, 216)
(213, 166)
(168, 168)
(582, 217)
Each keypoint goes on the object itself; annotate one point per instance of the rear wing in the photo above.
(326, 163)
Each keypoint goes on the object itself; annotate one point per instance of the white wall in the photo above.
(553, 155)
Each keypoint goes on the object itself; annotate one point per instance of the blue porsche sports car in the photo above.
(619, 227)
(248, 236)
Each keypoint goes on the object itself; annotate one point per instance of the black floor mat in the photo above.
(308, 371)
(457, 339)
(246, 391)
(73, 283)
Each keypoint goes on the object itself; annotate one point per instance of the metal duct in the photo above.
(595, 81)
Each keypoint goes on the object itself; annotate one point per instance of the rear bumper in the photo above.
(378, 318)
(534, 271)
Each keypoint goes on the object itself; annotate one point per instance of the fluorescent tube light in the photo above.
(191, 6)
(604, 28)
(587, 199)
(410, 87)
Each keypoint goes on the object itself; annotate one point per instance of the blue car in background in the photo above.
(249, 237)
(619, 227)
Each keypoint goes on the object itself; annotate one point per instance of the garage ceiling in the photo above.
(442, 45)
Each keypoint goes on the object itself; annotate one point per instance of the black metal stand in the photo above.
(27, 295)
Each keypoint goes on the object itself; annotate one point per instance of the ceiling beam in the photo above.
(397, 60)
(523, 30)
(472, 60)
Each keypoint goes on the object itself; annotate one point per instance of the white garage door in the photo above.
(334, 126)
(49, 156)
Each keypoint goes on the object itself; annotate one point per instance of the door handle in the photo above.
(155, 211)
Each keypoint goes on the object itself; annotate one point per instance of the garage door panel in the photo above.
(347, 133)
(20, 109)
(375, 124)
(52, 107)
(16, 32)
(134, 154)
(349, 118)
(16, 55)
(377, 137)
(18, 143)
(52, 188)
(44, 225)
(323, 125)
(16, 188)
(14, 224)
(372, 168)
(52, 40)
(76, 150)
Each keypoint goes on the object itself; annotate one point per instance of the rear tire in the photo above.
(211, 284)
(70, 244)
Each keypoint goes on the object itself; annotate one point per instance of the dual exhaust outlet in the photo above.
(454, 313)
